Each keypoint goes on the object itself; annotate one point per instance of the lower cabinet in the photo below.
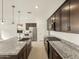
(21, 55)
(28, 49)
(50, 52)
(24, 53)
(53, 54)
(46, 45)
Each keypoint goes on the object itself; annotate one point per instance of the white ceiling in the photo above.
(46, 8)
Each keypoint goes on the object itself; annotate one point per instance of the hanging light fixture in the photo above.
(13, 6)
(2, 13)
(19, 26)
(19, 17)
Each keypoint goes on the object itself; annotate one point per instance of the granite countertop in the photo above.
(11, 46)
(65, 50)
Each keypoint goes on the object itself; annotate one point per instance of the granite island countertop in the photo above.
(11, 46)
(66, 51)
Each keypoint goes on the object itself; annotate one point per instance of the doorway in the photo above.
(32, 27)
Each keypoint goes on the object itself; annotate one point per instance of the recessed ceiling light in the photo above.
(36, 6)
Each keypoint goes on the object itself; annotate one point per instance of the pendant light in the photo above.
(19, 26)
(13, 6)
(2, 13)
(19, 17)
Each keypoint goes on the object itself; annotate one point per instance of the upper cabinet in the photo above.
(58, 20)
(49, 24)
(74, 16)
(53, 23)
(53, 17)
(66, 17)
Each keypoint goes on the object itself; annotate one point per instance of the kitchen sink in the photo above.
(53, 39)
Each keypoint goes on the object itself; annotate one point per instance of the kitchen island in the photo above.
(14, 49)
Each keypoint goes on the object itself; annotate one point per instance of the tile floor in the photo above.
(38, 51)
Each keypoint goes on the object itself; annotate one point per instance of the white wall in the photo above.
(71, 37)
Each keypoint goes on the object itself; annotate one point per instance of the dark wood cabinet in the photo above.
(24, 53)
(21, 55)
(28, 48)
(74, 16)
(50, 52)
(61, 18)
(53, 53)
(49, 24)
(65, 17)
(58, 20)
(53, 20)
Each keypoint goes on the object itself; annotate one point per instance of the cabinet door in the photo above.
(50, 52)
(21, 54)
(49, 27)
(28, 48)
(58, 20)
(65, 12)
(48, 24)
(53, 23)
(74, 16)
(25, 52)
